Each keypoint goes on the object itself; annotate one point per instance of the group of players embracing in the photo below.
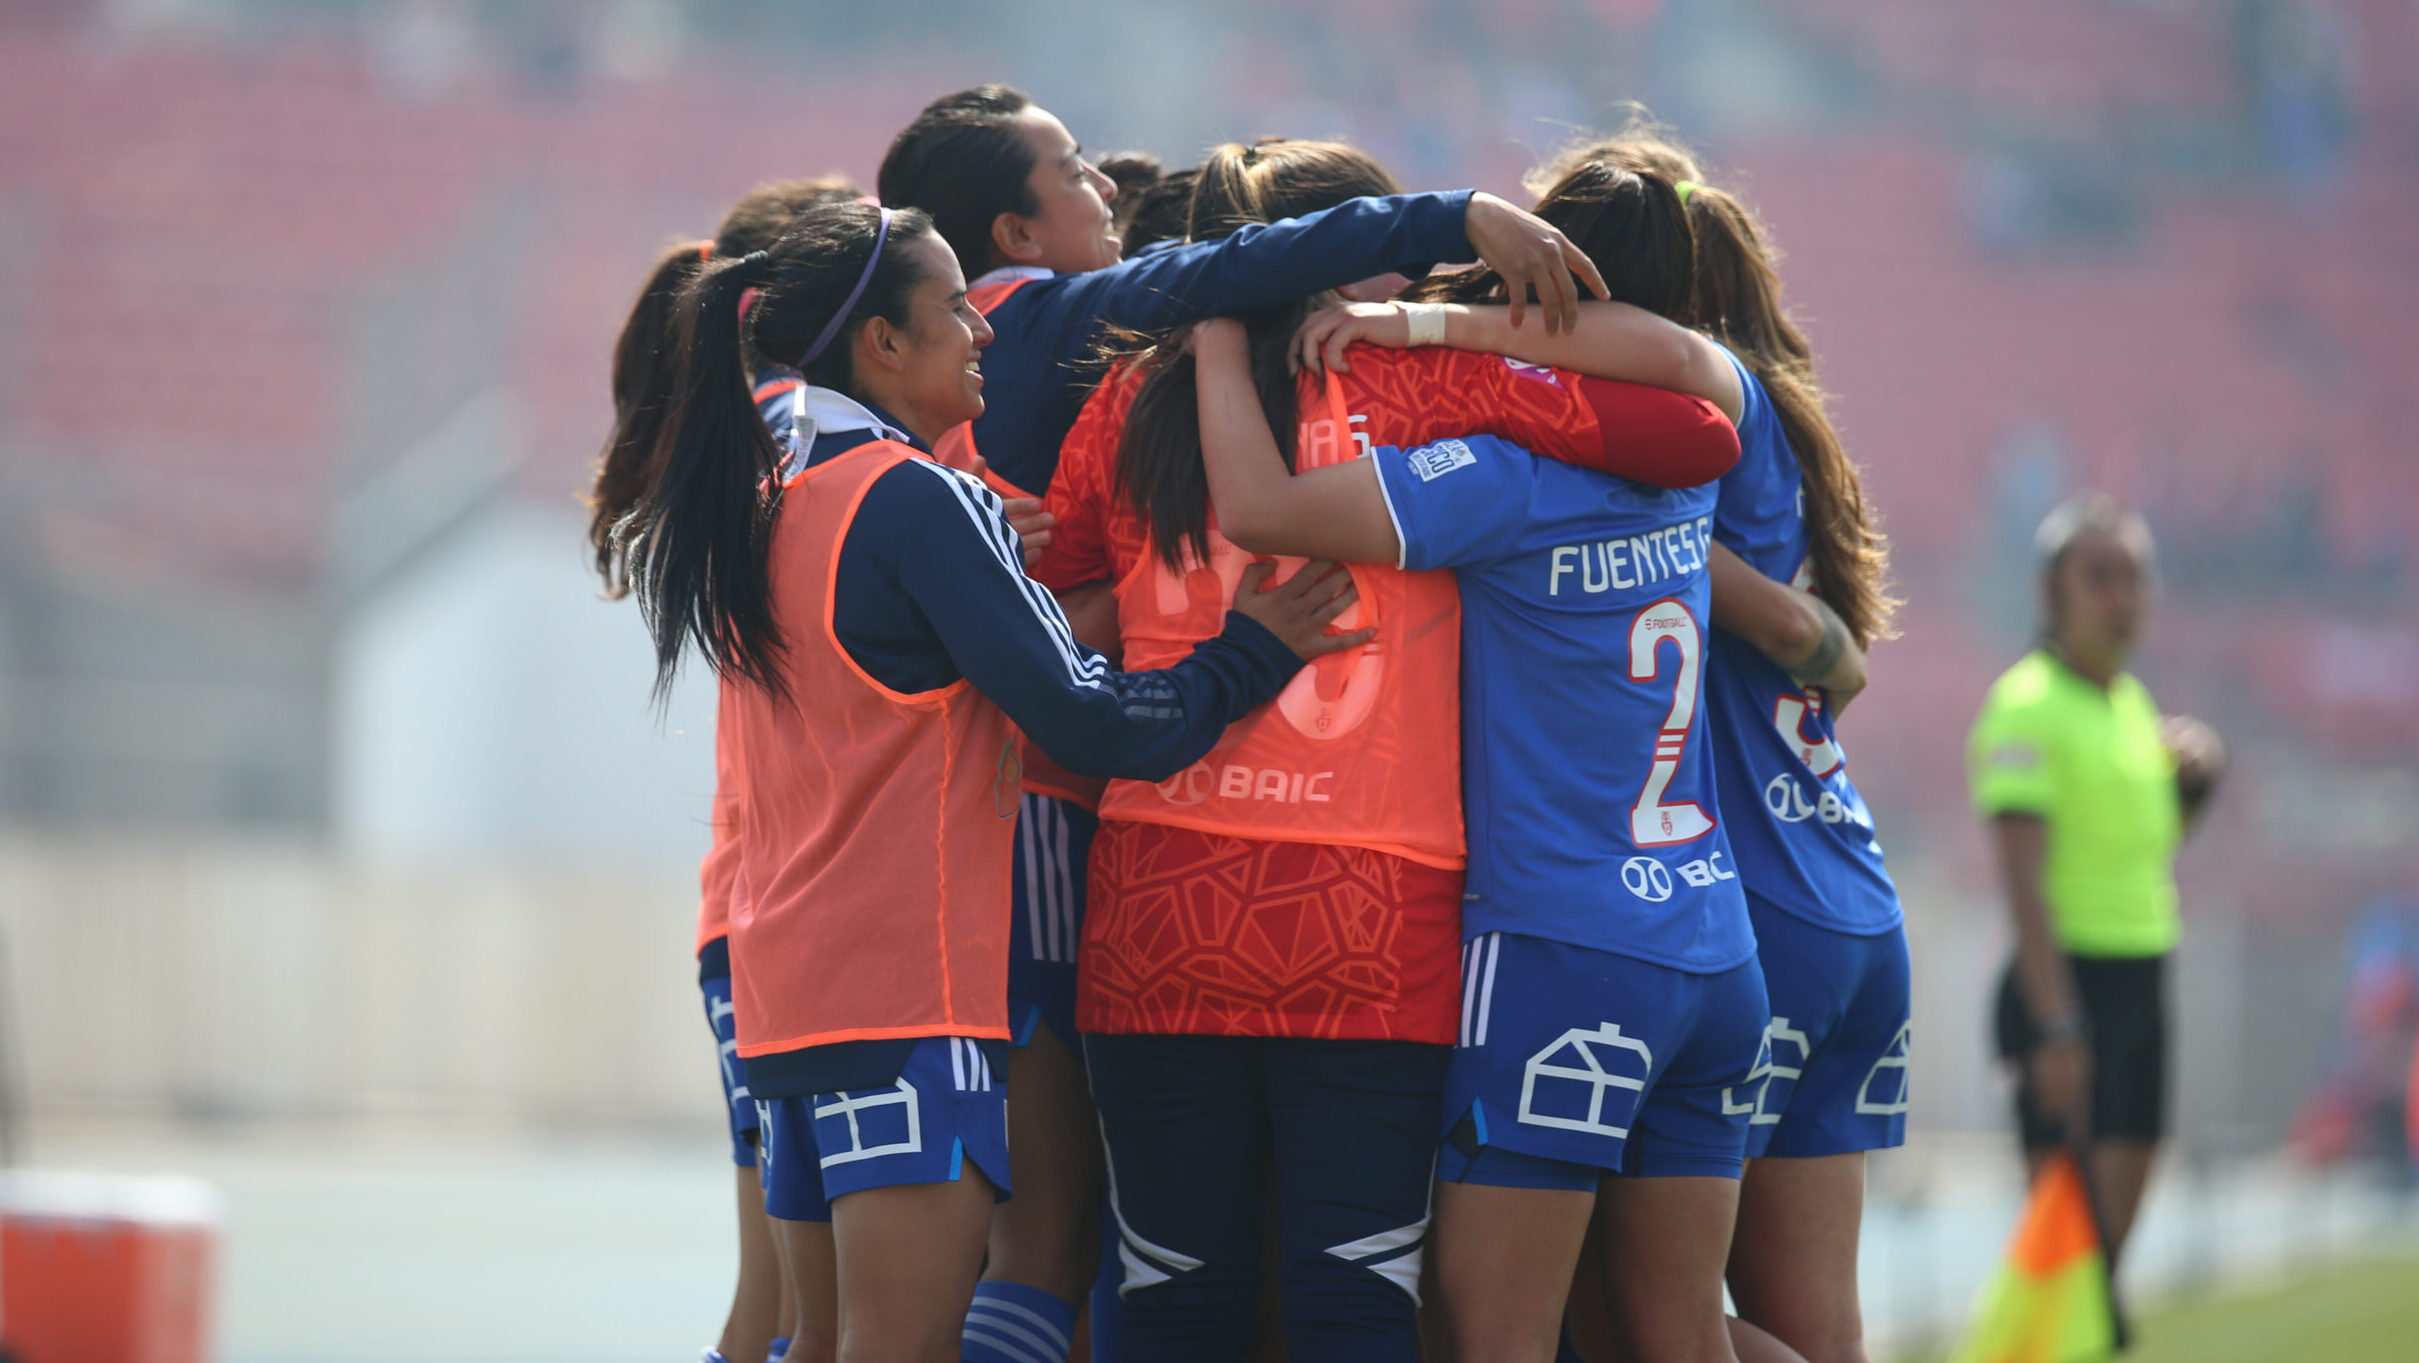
(1312, 764)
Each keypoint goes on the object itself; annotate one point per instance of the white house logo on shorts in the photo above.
(1647, 878)
(1441, 458)
(862, 1110)
(1783, 1057)
(1564, 1085)
(1884, 1092)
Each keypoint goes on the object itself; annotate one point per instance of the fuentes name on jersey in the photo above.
(1629, 562)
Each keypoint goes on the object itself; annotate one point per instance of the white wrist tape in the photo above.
(1427, 322)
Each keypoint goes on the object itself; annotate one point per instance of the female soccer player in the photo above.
(1829, 931)
(1304, 998)
(1031, 224)
(762, 1314)
(1832, 945)
(1610, 996)
(876, 638)
(2087, 793)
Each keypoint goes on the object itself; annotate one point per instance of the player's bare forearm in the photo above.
(1795, 629)
(1611, 341)
(1334, 513)
(1836, 664)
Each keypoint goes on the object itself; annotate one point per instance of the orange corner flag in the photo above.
(2052, 1301)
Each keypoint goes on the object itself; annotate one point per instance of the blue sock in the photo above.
(711, 1356)
(1013, 1323)
(781, 1345)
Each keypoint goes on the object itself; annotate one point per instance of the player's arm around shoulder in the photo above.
(1614, 341)
(1338, 512)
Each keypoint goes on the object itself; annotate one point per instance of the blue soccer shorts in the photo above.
(1053, 853)
(737, 1105)
(947, 1109)
(1575, 1063)
(1833, 1076)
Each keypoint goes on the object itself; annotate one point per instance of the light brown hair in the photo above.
(1738, 302)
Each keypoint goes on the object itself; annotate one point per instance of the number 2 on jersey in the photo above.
(1652, 823)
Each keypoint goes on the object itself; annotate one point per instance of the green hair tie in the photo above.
(1685, 188)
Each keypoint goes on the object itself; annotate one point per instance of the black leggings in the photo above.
(1199, 1128)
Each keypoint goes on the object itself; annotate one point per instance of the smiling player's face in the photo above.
(1070, 229)
(928, 372)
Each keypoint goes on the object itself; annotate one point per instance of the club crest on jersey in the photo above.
(1437, 460)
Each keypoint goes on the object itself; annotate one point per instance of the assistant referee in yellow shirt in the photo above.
(2087, 791)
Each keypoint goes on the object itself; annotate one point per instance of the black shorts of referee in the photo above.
(2124, 1002)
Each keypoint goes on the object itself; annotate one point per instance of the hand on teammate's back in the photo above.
(1031, 524)
(1025, 514)
(1531, 253)
(1298, 609)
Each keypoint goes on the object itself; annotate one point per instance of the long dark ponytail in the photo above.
(1159, 469)
(699, 540)
(643, 373)
(645, 365)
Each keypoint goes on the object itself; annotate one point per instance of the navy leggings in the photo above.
(1199, 1128)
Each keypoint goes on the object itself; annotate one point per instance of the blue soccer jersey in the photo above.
(1801, 833)
(1587, 786)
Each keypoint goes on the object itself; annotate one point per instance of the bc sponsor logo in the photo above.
(1443, 457)
(1565, 1086)
(1788, 803)
(1650, 879)
(1646, 878)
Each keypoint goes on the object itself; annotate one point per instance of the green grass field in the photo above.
(2366, 1311)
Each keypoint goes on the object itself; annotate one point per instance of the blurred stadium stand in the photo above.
(306, 307)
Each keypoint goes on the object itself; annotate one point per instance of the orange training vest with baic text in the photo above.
(1361, 749)
(875, 826)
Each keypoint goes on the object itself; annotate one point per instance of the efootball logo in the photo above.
(1441, 458)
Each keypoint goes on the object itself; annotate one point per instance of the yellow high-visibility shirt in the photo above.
(2091, 764)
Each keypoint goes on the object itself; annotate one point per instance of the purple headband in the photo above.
(840, 318)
